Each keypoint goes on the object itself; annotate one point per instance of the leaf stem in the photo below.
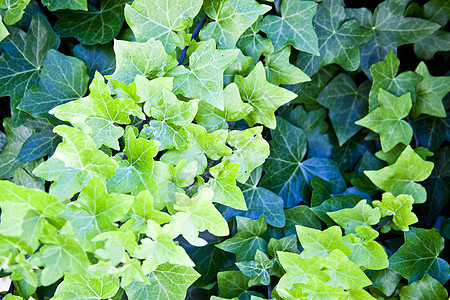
(193, 36)
(385, 221)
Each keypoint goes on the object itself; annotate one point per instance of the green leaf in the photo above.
(253, 44)
(385, 280)
(167, 282)
(280, 71)
(300, 215)
(419, 255)
(75, 161)
(294, 27)
(320, 243)
(98, 57)
(53, 5)
(286, 174)
(315, 289)
(77, 286)
(250, 150)
(247, 240)
(400, 208)
(426, 288)
(98, 113)
(338, 39)
(21, 60)
(265, 98)
(95, 26)
(95, 211)
(159, 19)
(257, 269)
(242, 65)
(401, 177)
(116, 243)
(361, 215)
(25, 212)
(14, 10)
(203, 80)
(3, 31)
(62, 79)
(390, 29)
(346, 104)
(230, 20)
(135, 172)
(148, 59)
(232, 283)
(385, 76)
(386, 120)
(334, 204)
(430, 92)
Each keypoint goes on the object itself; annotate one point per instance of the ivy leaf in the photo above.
(223, 184)
(96, 26)
(265, 98)
(419, 256)
(385, 76)
(427, 287)
(250, 150)
(401, 177)
(149, 19)
(78, 286)
(98, 57)
(247, 240)
(294, 27)
(365, 251)
(385, 280)
(335, 203)
(14, 10)
(253, 44)
(399, 208)
(257, 269)
(62, 79)
(300, 215)
(167, 282)
(286, 174)
(390, 29)
(75, 161)
(346, 104)
(135, 173)
(18, 70)
(320, 243)
(231, 284)
(360, 215)
(53, 5)
(430, 92)
(242, 65)
(148, 59)
(3, 31)
(97, 113)
(338, 39)
(116, 243)
(230, 20)
(386, 120)
(25, 212)
(95, 212)
(280, 71)
(203, 79)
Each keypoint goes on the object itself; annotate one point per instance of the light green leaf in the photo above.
(95, 211)
(230, 20)
(430, 92)
(14, 10)
(3, 31)
(223, 184)
(75, 161)
(167, 282)
(386, 120)
(320, 243)
(338, 39)
(62, 79)
(385, 280)
(257, 270)
(265, 98)
(315, 289)
(400, 208)
(135, 172)
(361, 215)
(95, 26)
(426, 288)
(294, 27)
(204, 78)
(357, 294)
(250, 150)
(148, 59)
(419, 255)
(159, 19)
(98, 114)
(401, 177)
(253, 44)
(116, 243)
(53, 5)
(280, 71)
(150, 92)
(242, 65)
(80, 287)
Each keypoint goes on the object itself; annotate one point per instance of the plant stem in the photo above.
(387, 220)
(193, 36)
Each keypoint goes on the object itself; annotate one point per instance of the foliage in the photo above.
(224, 149)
